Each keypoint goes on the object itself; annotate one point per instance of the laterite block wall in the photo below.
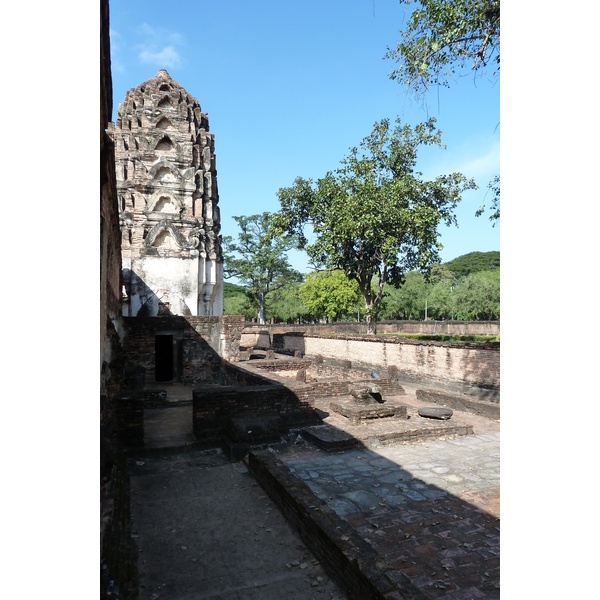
(474, 364)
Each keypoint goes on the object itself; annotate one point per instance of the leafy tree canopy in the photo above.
(466, 288)
(446, 38)
(407, 301)
(329, 294)
(375, 218)
(258, 259)
(477, 296)
(286, 304)
(231, 290)
(239, 304)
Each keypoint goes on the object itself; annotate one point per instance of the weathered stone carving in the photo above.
(167, 185)
(365, 393)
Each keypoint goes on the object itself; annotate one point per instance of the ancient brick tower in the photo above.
(168, 202)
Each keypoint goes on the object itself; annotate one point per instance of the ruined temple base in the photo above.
(338, 433)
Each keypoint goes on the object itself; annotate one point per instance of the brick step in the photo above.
(341, 436)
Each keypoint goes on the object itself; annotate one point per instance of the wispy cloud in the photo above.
(166, 57)
(146, 29)
(164, 34)
(159, 46)
(474, 160)
(483, 164)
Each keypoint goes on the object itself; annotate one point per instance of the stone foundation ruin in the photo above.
(263, 401)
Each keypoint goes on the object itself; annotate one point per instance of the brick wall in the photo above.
(200, 343)
(474, 364)
(110, 233)
(351, 328)
(117, 548)
(233, 327)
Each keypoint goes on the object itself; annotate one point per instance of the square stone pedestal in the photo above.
(358, 412)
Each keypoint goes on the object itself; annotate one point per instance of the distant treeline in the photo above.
(466, 288)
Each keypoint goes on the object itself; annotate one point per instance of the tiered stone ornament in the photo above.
(168, 202)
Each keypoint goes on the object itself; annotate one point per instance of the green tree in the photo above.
(494, 187)
(477, 296)
(440, 300)
(286, 304)
(439, 292)
(443, 39)
(239, 304)
(375, 218)
(329, 294)
(408, 300)
(258, 259)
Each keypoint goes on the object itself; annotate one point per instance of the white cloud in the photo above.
(164, 34)
(168, 57)
(150, 50)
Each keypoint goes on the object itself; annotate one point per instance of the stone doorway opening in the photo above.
(163, 352)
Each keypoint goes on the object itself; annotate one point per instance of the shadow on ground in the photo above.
(413, 519)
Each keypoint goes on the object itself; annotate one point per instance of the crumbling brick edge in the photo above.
(349, 559)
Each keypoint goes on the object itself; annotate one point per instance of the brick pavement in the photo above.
(431, 510)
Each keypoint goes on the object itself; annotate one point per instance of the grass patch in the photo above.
(444, 337)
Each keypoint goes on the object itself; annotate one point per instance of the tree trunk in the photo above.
(370, 318)
(261, 308)
(371, 325)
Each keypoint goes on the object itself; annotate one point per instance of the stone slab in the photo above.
(435, 412)
(460, 402)
(329, 438)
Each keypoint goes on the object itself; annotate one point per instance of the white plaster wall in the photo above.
(353, 350)
(210, 288)
(178, 276)
(260, 339)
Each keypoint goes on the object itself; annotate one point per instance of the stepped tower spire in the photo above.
(168, 202)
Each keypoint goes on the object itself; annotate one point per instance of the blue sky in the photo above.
(289, 86)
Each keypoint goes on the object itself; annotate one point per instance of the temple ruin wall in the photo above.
(465, 363)
(460, 363)
(202, 342)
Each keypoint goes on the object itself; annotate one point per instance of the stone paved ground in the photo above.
(431, 509)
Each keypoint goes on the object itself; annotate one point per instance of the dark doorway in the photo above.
(163, 350)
